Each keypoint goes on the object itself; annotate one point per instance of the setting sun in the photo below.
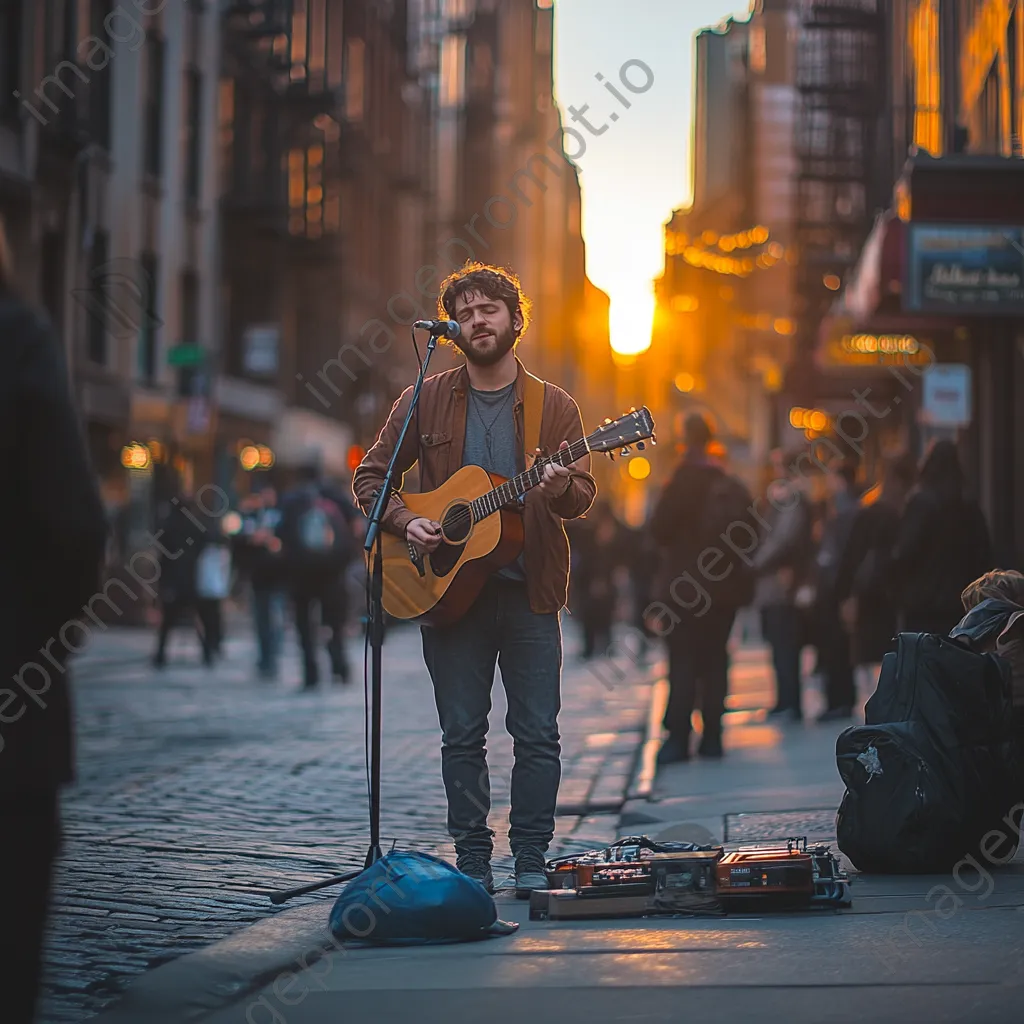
(630, 317)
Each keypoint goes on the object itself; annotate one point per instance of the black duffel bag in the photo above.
(934, 769)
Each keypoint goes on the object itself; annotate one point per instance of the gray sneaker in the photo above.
(530, 873)
(478, 866)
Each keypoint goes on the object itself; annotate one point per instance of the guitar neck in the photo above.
(511, 490)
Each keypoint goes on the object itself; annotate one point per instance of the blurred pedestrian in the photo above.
(783, 563)
(213, 585)
(257, 551)
(943, 545)
(833, 640)
(184, 532)
(52, 540)
(699, 504)
(318, 533)
(865, 585)
(598, 553)
(643, 557)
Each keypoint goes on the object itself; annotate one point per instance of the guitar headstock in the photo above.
(636, 427)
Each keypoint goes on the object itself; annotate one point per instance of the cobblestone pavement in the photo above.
(200, 791)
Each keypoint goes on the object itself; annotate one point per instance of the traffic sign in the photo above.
(186, 355)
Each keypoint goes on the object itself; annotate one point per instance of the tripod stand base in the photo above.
(373, 855)
(277, 898)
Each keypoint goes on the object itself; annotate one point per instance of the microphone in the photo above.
(449, 328)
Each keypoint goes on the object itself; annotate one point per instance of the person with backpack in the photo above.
(700, 503)
(318, 540)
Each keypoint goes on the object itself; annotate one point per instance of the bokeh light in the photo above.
(639, 468)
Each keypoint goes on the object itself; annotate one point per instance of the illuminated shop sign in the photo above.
(876, 350)
(966, 269)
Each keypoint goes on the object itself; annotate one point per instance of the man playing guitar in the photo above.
(474, 415)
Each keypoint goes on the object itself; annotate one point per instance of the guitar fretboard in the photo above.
(511, 490)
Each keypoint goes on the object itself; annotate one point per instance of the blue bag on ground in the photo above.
(409, 897)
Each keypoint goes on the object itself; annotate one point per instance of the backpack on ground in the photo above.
(934, 769)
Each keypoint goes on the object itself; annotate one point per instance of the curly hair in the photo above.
(1007, 584)
(499, 283)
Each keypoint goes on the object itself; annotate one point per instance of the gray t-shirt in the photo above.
(491, 443)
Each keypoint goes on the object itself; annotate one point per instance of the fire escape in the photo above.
(840, 79)
(284, 157)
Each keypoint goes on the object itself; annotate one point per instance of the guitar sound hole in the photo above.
(457, 524)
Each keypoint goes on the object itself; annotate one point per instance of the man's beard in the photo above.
(502, 343)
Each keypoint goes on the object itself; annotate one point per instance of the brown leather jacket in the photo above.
(436, 441)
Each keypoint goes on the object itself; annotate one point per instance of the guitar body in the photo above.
(455, 573)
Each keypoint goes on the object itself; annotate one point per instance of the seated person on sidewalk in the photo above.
(995, 623)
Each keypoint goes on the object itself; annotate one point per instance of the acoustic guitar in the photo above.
(481, 527)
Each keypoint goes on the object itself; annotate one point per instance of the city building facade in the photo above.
(108, 190)
(940, 280)
(724, 323)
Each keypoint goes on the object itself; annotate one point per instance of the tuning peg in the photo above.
(611, 455)
(607, 419)
(653, 440)
(632, 408)
(626, 450)
(640, 446)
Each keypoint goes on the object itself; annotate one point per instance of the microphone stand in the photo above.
(372, 542)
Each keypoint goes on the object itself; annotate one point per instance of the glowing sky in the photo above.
(638, 170)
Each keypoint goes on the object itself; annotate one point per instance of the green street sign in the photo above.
(186, 355)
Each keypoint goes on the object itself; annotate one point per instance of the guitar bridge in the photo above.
(416, 558)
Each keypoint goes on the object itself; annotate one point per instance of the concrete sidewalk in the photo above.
(777, 779)
(909, 949)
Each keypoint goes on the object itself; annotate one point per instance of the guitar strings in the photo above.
(464, 516)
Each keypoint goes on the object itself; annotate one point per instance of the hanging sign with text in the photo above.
(946, 401)
(965, 269)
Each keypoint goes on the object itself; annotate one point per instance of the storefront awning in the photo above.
(876, 282)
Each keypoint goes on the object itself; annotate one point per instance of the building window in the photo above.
(193, 134)
(99, 82)
(453, 72)
(355, 80)
(154, 106)
(990, 136)
(150, 323)
(924, 47)
(189, 308)
(226, 138)
(96, 336)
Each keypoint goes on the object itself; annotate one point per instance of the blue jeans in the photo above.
(268, 615)
(499, 629)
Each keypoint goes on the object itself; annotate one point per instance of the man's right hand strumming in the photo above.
(424, 533)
